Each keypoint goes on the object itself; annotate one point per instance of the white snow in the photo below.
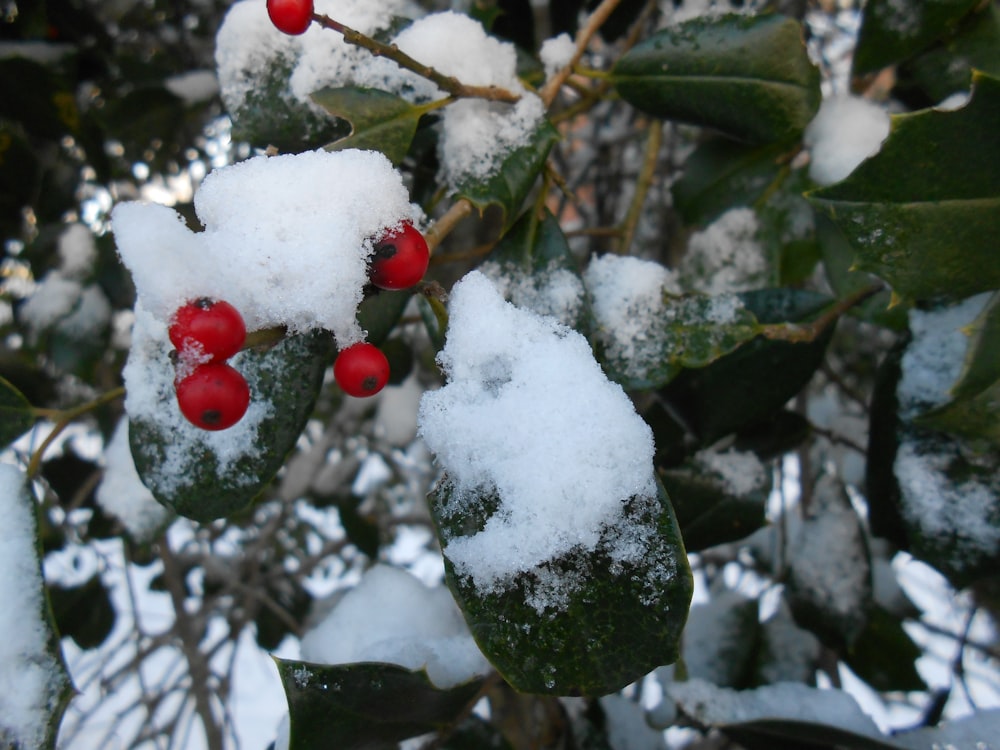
(285, 240)
(556, 53)
(51, 300)
(726, 256)
(77, 251)
(194, 86)
(934, 357)
(29, 674)
(554, 291)
(846, 131)
(392, 617)
(528, 413)
(123, 495)
(741, 472)
(627, 299)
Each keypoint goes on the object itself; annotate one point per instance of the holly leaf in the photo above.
(981, 368)
(380, 121)
(188, 476)
(365, 706)
(720, 174)
(510, 183)
(84, 613)
(748, 77)
(884, 655)
(16, 417)
(923, 213)
(756, 380)
(720, 638)
(894, 30)
(585, 623)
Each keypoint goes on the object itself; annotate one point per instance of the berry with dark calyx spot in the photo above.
(213, 397)
(400, 259)
(290, 16)
(207, 330)
(361, 370)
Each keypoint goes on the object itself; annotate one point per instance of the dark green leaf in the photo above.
(718, 497)
(923, 213)
(946, 68)
(614, 621)
(287, 377)
(379, 313)
(16, 417)
(271, 626)
(884, 655)
(785, 652)
(722, 173)
(748, 77)
(893, 30)
(365, 706)
(751, 383)
(84, 613)
(510, 183)
(982, 358)
(363, 532)
(380, 121)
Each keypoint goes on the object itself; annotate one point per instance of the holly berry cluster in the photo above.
(213, 395)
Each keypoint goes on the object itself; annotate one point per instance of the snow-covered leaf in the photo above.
(829, 585)
(719, 640)
(928, 227)
(748, 77)
(969, 732)
(36, 684)
(367, 705)
(380, 121)
(893, 30)
(510, 184)
(16, 417)
(718, 496)
(785, 715)
(785, 652)
(588, 622)
(194, 479)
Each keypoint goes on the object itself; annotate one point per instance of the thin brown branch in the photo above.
(805, 332)
(448, 84)
(448, 221)
(594, 22)
(642, 184)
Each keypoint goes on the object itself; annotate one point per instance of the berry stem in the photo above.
(446, 83)
(448, 221)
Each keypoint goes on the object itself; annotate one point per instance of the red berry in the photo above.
(290, 16)
(361, 370)
(207, 330)
(213, 397)
(400, 259)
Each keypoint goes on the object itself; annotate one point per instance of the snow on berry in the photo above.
(286, 240)
(207, 330)
(528, 412)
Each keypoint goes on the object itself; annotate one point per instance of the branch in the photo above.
(583, 37)
(448, 221)
(449, 84)
(642, 185)
(805, 332)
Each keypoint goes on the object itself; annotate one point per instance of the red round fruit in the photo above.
(361, 370)
(207, 330)
(213, 397)
(290, 16)
(400, 259)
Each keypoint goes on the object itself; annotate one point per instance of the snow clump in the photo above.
(846, 131)
(286, 240)
(391, 617)
(726, 256)
(529, 416)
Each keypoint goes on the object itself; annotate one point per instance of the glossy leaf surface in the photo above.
(747, 77)
(16, 417)
(380, 121)
(366, 705)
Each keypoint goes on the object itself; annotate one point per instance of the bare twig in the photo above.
(805, 332)
(449, 84)
(448, 221)
(642, 185)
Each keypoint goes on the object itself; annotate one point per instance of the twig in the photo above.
(449, 84)
(63, 420)
(583, 37)
(805, 332)
(642, 185)
(448, 221)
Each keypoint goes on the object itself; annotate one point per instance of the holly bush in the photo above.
(692, 418)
